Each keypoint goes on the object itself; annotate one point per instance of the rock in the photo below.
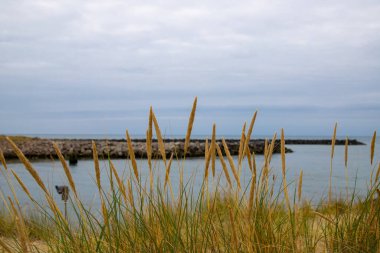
(36, 148)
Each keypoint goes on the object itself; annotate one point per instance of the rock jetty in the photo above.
(352, 142)
(38, 148)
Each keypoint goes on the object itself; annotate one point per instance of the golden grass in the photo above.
(373, 142)
(149, 136)
(248, 154)
(132, 219)
(253, 161)
(132, 156)
(149, 149)
(207, 158)
(4, 246)
(234, 234)
(2, 160)
(119, 182)
(21, 228)
(27, 165)
(333, 139)
(190, 125)
(96, 164)
(346, 163)
(65, 168)
(346, 152)
(223, 163)
(167, 173)
(161, 145)
(247, 138)
(21, 183)
(271, 147)
(299, 191)
(251, 195)
(213, 149)
(232, 164)
(242, 142)
(283, 164)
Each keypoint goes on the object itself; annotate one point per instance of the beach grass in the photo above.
(135, 216)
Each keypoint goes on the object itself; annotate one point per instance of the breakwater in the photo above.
(39, 148)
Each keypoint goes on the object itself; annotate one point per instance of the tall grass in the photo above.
(136, 217)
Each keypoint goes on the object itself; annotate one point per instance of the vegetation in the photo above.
(148, 217)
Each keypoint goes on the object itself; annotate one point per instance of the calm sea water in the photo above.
(314, 160)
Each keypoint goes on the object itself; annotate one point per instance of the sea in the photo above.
(313, 160)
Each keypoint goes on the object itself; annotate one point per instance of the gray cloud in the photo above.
(96, 66)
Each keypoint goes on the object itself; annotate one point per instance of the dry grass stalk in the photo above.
(271, 147)
(167, 179)
(150, 123)
(21, 228)
(119, 182)
(248, 154)
(53, 206)
(65, 168)
(231, 161)
(265, 172)
(212, 151)
(254, 163)
(248, 136)
(331, 159)
(250, 129)
(104, 212)
(132, 156)
(266, 148)
(130, 193)
(107, 149)
(206, 151)
(207, 159)
(346, 164)
(346, 152)
(149, 155)
(224, 166)
(283, 163)
(149, 138)
(234, 234)
(4, 201)
(300, 186)
(333, 141)
(27, 165)
(373, 146)
(149, 150)
(377, 173)
(96, 164)
(190, 126)
(2, 159)
(21, 183)
(324, 217)
(251, 199)
(5, 247)
(161, 145)
(242, 141)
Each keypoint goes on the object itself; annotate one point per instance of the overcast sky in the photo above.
(96, 66)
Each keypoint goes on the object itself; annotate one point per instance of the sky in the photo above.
(95, 67)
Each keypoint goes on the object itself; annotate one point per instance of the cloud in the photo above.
(70, 59)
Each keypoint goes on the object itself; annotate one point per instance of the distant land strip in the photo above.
(40, 148)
